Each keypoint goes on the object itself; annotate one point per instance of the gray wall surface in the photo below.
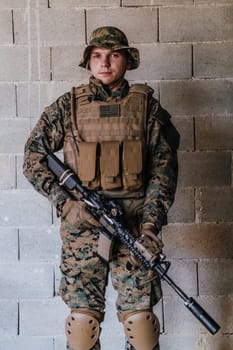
(186, 56)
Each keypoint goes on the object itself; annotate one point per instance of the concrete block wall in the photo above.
(186, 56)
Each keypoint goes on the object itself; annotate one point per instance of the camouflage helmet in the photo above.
(110, 38)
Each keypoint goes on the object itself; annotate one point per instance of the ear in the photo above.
(129, 61)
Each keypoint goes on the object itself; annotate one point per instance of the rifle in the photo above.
(109, 215)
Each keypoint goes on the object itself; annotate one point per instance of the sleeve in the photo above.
(46, 137)
(162, 166)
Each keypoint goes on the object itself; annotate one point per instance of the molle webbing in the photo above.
(106, 146)
(109, 121)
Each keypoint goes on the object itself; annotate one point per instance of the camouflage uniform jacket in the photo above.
(48, 137)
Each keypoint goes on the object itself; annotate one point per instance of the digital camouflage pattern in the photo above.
(48, 137)
(113, 39)
(84, 274)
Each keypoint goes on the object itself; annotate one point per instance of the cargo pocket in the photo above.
(110, 165)
(87, 171)
(132, 164)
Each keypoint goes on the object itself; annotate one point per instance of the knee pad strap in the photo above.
(141, 328)
(83, 328)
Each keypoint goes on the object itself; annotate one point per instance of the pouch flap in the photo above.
(110, 158)
(132, 157)
(87, 161)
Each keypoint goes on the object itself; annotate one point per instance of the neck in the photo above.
(116, 85)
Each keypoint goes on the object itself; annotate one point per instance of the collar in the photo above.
(101, 92)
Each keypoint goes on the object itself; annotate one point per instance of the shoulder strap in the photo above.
(81, 94)
(141, 88)
(146, 91)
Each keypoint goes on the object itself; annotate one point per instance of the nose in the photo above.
(105, 61)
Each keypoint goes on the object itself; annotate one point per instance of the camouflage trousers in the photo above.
(85, 275)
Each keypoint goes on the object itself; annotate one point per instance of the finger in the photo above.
(154, 238)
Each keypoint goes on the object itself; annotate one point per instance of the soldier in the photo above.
(119, 141)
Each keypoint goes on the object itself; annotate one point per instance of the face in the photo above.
(108, 66)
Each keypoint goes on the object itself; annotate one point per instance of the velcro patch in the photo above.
(110, 110)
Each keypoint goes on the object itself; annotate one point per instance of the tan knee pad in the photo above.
(141, 328)
(83, 328)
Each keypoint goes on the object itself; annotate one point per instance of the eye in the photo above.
(95, 55)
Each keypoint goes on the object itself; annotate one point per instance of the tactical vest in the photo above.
(106, 143)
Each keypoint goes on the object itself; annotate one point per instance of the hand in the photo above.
(75, 213)
(150, 241)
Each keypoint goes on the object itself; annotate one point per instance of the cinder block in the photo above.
(217, 342)
(7, 100)
(198, 97)
(216, 204)
(185, 126)
(24, 208)
(23, 3)
(217, 2)
(8, 245)
(39, 244)
(196, 23)
(49, 92)
(214, 133)
(34, 313)
(220, 309)
(125, 19)
(40, 63)
(184, 274)
(39, 4)
(156, 62)
(65, 64)
(213, 60)
(155, 2)
(6, 35)
(83, 3)
(26, 26)
(215, 277)
(62, 26)
(13, 135)
(175, 342)
(198, 240)
(183, 208)
(9, 318)
(116, 337)
(14, 63)
(7, 172)
(22, 343)
(13, 3)
(32, 281)
(179, 320)
(204, 168)
(60, 343)
(28, 99)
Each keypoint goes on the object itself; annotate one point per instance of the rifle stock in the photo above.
(109, 215)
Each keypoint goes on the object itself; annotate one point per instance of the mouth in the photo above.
(105, 73)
